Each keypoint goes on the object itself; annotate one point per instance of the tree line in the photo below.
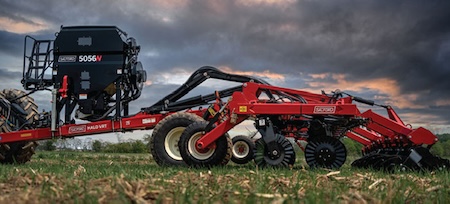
(75, 144)
(441, 148)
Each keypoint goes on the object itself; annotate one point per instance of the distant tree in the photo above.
(446, 147)
(139, 147)
(130, 146)
(443, 137)
(438, 149)
(146, 139)
(97, 146)
(442, 148)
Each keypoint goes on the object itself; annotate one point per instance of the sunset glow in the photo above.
(22, 27)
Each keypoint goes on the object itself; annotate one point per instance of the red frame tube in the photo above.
(140, 121)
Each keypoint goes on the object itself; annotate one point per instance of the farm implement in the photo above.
(93, 74)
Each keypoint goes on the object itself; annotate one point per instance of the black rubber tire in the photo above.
(219, 156)
(171, 126)
(18, 152)
(247, 155)
(26, 103)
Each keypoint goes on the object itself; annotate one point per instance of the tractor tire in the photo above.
(218, 156)
(242, 149)
(26, 103)
(18, 152)
(165, 137)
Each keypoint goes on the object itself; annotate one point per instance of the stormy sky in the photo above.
(394, 52)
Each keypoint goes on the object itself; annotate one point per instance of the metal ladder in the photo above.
(39, 60)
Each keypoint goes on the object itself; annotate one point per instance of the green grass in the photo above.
(77, 177)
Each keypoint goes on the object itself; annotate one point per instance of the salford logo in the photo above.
(77, 129)
(90, 58)
(67, 58)
(324, 109)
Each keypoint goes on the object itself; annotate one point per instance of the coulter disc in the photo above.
(283, 154)
(325, 152)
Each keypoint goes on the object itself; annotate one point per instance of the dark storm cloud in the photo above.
(9, 79)
(5, 74)
(11, 44)
(407, 41)
(9, 9)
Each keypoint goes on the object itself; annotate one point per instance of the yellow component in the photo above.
(242, 109)
(26, 135)
(211, 111)
(110, 89)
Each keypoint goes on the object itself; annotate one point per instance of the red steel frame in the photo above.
(140, 121)
(243, 104)
(379, 129)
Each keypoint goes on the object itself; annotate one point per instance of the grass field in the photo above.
(77, 177)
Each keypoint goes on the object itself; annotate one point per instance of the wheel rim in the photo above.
(277, 157)
(325, 154)
(171, 143)
(240, 149)
(196, 153)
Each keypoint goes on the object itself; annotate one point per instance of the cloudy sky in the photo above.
(394, 52)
